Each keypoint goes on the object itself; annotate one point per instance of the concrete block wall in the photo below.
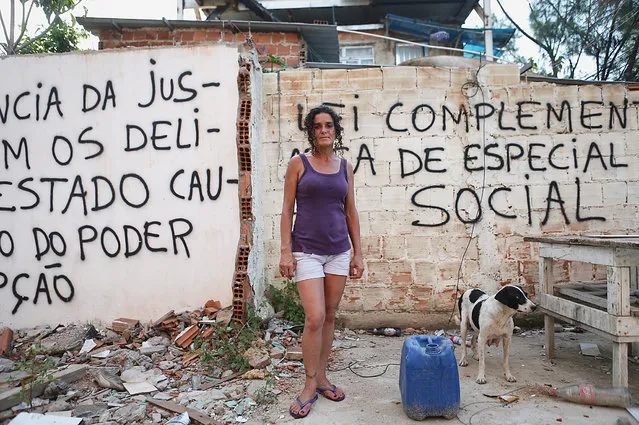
(453, 168)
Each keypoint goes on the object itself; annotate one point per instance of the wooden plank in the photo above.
(626, 243)
(606, 335)
(69, 374)
(549, 329)
(614, 325)
(620, 364)
(178, 408)
(583, 297)
(588, 254)
(619, 291)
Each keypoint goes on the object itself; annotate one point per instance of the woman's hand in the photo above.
(287, 265)
(357, 266)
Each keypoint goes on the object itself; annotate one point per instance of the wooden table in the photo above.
(612, 312)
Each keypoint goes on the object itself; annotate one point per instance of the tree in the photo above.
(55, 36)
(567, 31)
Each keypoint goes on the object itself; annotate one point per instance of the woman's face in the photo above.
(324, 130)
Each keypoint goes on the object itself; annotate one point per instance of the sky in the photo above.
(157, 9)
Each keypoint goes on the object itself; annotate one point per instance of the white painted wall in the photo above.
(41, 98)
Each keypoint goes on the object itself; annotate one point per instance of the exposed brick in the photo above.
(199, 36)
(421, 297)
(187, 35)
(378, 271)
(6, 337)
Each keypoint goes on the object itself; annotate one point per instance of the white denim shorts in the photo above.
(313, 266)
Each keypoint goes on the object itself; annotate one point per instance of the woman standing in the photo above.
(318, 251)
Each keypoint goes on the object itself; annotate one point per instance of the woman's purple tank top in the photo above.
(320, 224)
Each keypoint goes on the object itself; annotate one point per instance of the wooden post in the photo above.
(546, 287)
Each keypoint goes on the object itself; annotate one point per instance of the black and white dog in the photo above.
(492, 320)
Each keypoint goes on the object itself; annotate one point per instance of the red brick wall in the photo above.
(285, 45)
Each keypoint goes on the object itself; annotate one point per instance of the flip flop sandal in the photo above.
(299, 415)
(332, 389)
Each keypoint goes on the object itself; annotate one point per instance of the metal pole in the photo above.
(488, 30)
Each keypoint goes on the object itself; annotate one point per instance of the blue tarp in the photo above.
(466, 38)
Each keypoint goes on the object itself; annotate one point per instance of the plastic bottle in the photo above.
(595, 396)
(387, 331)
(457, 340)
(181, 419)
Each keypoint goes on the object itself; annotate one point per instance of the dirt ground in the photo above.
(376, 400)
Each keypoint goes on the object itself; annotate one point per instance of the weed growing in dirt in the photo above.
(264, 395)
(287, 299)
(37, 367)
(227, 345)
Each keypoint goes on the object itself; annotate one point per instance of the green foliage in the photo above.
(60, 38)
(38, 367)
(228, 343)
(273, 60)
(287, 299)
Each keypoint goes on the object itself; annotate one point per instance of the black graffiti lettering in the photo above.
(417, 110)
(528, 201)
(401, 162)
(42, 287)
(578, 207)
(613, 160)
(498, 158)
(172, 184)
(4, 114)
(531, 157)
(355, 116)
(468, 158)
(521, 115)
(17, 101)
(585, 117)
(591, 155)
(59, 277)
(105, 245)
(109, 94)
(551, 155)
(440, 209)
(145, 190)
(8, 148)
(148, 235)
(179, 134)
(54, 100)
(21, 186)
(477, 204)
(492, 206)
(86, 239)
(4, 279)
(564, 106)
(363, 147)
(128, 147)
(6, 246)
(155, 136)
(554, 187)
(428, 160)
(97, 206)
(69, 154)
(128, 252)
(622, 121)
(193, 92)
(6, 183)
(509, 157)
(195, 185)
(462, 111)
(82, 141)
(388, 117)
(219, 184)
(152, 98)
(14, 289)
(52, 182)
(53, 241)
(77, 191)
(181, 236)
(500, 118)
(482, 116)
(171, 86)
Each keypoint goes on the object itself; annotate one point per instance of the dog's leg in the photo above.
(509, 376)
(481, 347)
(463, 361)
(473, 345)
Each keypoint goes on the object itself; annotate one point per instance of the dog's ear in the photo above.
(509, 296)
(522, 290)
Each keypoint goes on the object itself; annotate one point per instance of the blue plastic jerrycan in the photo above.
(428, 377)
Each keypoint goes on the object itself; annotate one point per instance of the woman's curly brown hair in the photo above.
(310, 132)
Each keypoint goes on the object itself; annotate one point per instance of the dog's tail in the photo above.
(459, 302)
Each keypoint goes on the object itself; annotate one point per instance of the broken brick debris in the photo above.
(186, 337)
(5, 341)
(124, 324)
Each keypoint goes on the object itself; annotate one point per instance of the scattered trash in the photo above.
(181, 419)
(387, 331)
(38, 419)
(589, 349)
(594, 396)
(508, 398)
(457, 340)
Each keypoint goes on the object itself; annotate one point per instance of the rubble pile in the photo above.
(134, 373)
